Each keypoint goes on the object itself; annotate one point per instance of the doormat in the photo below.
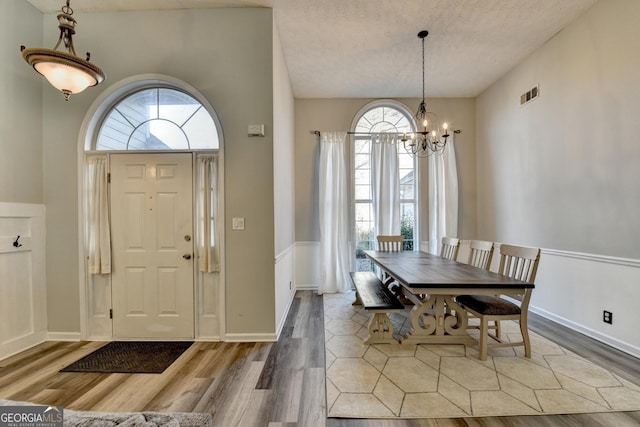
(131, 357)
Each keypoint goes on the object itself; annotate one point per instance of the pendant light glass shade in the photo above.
(66, 72)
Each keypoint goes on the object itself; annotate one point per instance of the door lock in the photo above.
(186, 256)
(187, 238)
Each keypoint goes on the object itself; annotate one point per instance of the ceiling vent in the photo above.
(530, 95)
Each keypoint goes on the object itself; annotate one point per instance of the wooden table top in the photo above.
(420, 270)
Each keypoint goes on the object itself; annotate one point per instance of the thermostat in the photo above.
(256, 130)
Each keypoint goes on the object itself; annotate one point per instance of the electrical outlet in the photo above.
(607, 317)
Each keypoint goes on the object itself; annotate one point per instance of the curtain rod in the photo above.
(317, 132)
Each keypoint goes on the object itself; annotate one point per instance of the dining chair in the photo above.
(480, 254)
(519, 263)
(390, 243)
(450, 247)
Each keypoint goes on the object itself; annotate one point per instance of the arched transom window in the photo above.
(381, 117)
(158, 118)
(384, 119)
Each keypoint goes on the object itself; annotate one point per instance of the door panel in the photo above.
(151, 211)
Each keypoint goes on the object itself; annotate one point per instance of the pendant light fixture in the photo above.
(429, 138)
(64, 70)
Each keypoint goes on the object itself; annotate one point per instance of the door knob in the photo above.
(186, 256)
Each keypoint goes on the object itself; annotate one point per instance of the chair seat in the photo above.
(488, 305)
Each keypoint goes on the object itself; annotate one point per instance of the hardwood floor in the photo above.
(260, 384)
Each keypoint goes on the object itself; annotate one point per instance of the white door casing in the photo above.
(152, 239)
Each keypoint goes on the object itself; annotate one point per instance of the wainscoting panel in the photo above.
(23, 293)
(285, 289)
(574, 289)
(307, 268)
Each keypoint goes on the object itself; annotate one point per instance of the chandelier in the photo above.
(429, 138)
(65, 71)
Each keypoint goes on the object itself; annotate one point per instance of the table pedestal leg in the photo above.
(438, 320)
(380, 330)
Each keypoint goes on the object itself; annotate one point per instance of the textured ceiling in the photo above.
(370, 48)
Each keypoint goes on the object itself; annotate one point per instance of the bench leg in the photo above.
(380, 330)
(357, 301)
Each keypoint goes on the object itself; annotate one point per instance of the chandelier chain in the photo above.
(67, 9)
(423, 82)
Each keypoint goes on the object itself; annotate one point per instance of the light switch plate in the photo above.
(238, 223)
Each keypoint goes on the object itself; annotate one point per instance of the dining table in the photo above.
(431, 283)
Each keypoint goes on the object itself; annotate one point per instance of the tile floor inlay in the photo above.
(445, 381)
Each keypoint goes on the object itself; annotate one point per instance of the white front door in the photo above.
(152, 230)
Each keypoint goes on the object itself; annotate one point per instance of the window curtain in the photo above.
(207, 207)
(334, 214)
(443, 196)
(98, 233)
(385, 183)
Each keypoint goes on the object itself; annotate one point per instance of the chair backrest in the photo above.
(519, 262)
(450, 247)
(480, 254)
(390, 243)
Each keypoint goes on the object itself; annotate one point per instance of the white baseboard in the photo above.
(307, 287)
(15, 346)
(620, 345)
(65, 336)
(250, 338)
(215, 338)
(286, 314)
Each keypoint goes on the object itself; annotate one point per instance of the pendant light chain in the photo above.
(423, 81)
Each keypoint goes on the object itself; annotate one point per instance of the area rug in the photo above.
(448, 381)
(131, 357)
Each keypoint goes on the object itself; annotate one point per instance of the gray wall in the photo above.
(563, 172)
(283, 179)
(226, 54)
(338, 114)
(20, 106)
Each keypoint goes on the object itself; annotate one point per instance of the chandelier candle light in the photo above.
(428, 140)
(65, 71)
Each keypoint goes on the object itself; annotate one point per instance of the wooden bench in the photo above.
(376, 298)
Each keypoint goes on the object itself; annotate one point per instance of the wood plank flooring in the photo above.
(260, 384)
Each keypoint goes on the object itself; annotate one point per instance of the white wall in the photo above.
(284, 209)
(561, 172)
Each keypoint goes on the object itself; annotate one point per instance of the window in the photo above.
(158, 118)
(380, 117)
